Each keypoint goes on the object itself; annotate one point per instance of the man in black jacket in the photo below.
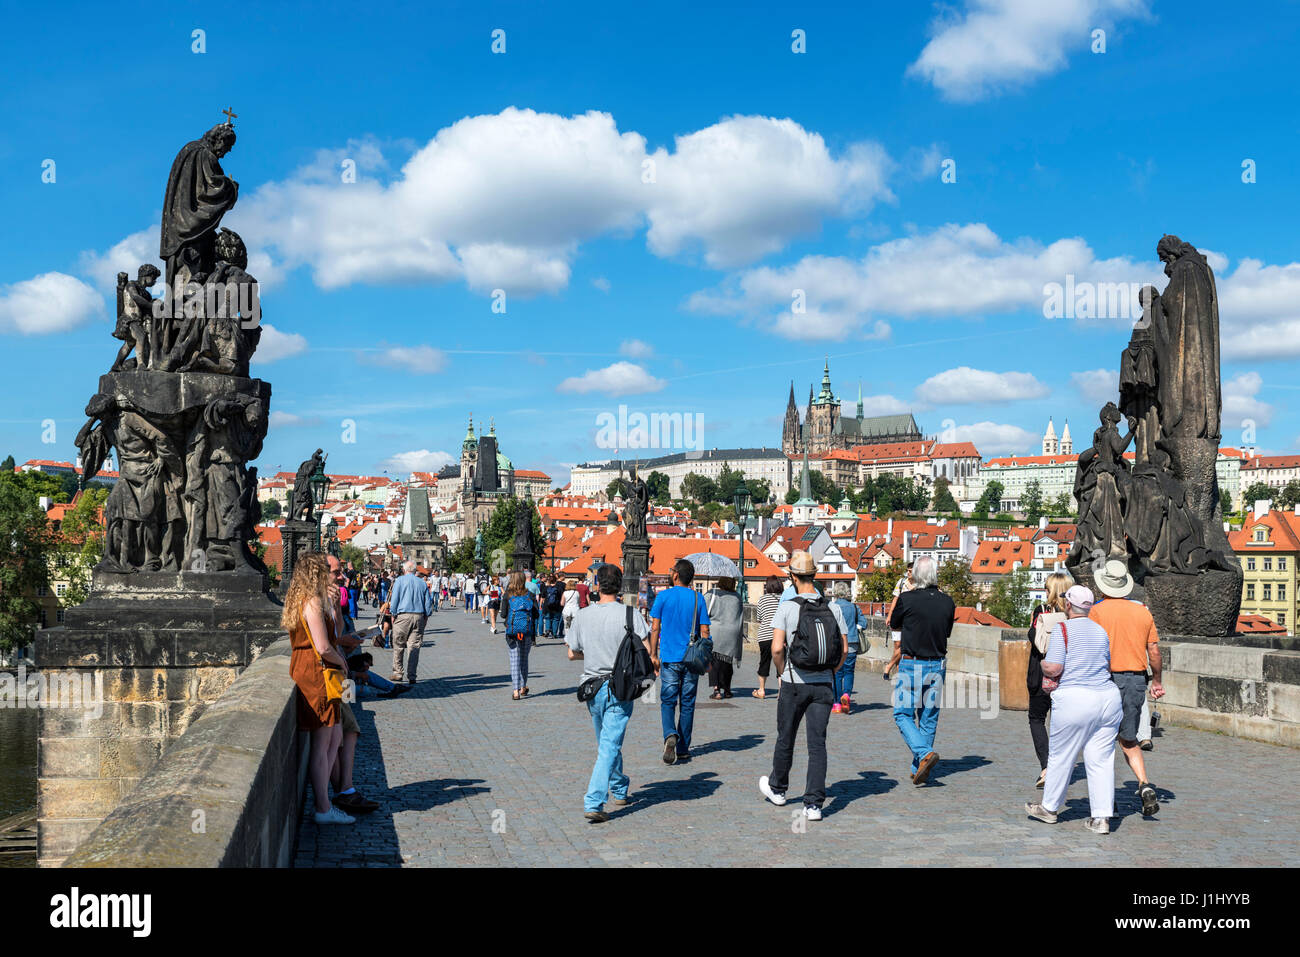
(924, 615)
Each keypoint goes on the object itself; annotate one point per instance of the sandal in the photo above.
(717, 695)
(757, 694)
(524, 693)
(514, 696)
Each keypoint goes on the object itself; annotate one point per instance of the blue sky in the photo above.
(770, 171)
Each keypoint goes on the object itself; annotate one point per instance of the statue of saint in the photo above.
(301, 505)
(1186, 334)
(636, 503)
(198, 194)
(1101, 482)
(1139, 380)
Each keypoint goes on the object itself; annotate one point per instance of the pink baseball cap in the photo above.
(1080, 596)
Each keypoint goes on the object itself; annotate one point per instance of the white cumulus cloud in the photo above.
(422, 460)
(422, 359)
(275, 345)
(964, 384)
(636, 349)
(999, 44)
(993, 438)
(1241, 406)
(50, 302)
(621, 378)
(1098, 386)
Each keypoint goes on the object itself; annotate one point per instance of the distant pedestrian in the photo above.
(725, 626)
(1134, 645)
(410, 605)
(767, 606)
(1045, 617)
(806, 627)
(570, 607)
(494, 602)
(677, 615)
(594, 637)
(1086, 713)
(853, 627)
(905, 584)
(519, 613)
(924, 616)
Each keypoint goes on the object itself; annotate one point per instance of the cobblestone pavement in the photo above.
(466, 776)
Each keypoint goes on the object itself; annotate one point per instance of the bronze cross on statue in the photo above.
(230, 115)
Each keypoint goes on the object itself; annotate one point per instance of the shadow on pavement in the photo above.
(446, 685)
(867, 784)
(949, 766)
(742, 743)
(423, 795)
(699, 785)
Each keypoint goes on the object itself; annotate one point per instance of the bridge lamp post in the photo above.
(741, 499)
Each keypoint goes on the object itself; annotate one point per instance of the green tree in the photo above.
(351, 553)
(1289, 497)
(460, 558)
(656, 484)
(955, 580)
(79, 544)
(943, 500)
(1060, 507)
(8, 465)
(877, 586)
(270, 509)
(24, 562)
(699, 488)
(1009, 599)
(990, 501)
(1032, 504)
(1257, 492)
(1225, 502)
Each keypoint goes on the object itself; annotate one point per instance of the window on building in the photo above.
(1261, 535)
(1250, 591)
(1250, 564)
(1281, 563)
(1281, 592)
(1268, 564)
(58, 617)
(1268, 592)
(1281, 618)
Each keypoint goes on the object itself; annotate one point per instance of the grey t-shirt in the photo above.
(598, 630)
(787, 620)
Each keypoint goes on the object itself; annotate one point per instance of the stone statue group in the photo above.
(1161, 513)
(177, 403)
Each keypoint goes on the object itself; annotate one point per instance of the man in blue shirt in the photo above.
(410, 605)
(674, 610)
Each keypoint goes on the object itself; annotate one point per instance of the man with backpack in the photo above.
(678, 615)
(924, 616)
(808, 646)
(597, 638)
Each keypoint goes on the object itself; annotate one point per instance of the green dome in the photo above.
(503, 463)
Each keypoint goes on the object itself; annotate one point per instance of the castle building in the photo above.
(1054, 446)
(824, 428)
(468, 493)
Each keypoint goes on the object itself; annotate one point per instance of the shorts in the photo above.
(348, 719)
(1132, 694)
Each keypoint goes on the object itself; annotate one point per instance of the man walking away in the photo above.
(1133, 640)
(671, 618)
(410, 606)
(924, 616)
(594, 639)
(816, 626)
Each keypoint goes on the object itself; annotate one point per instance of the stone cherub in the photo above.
(135, 319)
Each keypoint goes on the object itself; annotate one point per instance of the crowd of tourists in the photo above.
(1093, 665)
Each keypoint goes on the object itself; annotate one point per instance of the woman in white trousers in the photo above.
(1086, 713)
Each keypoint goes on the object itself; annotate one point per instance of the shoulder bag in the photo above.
(1051, 684)
(1047, 620)
(699, 653)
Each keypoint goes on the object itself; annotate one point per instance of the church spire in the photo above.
(859, 400)
(805, 484)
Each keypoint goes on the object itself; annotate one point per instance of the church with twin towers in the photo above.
(824, 428)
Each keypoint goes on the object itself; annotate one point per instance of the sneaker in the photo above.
(836, 709)
(334, 816)
(1148, 796)
(355, 803)
(623, 801)
(596, 817)
(776, 797)
(1040, 813)
(812, 812)
(1098, 825)
(670, 749)
(845, 703)
(1146, 745)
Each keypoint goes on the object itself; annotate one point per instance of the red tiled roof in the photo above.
(1258, 625)
(997, 557)
(972, 616)
(1272, 462)
(1284, 533)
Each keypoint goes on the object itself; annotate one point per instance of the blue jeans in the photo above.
(352, 604)
(377, 683)
(918, 692)
(553, 624)
(677, 683)
(609, 717)
(844, 677)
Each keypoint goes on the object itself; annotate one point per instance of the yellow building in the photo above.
(1268, 546)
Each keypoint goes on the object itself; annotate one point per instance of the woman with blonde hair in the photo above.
(310, 614)
(1040, 701)
(519, 611)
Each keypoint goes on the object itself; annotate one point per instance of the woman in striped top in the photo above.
(766, 612)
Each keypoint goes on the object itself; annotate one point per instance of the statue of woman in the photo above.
(1101, 482)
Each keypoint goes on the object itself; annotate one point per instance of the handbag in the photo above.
(699, 653)
(333, 676)
(1051, 684)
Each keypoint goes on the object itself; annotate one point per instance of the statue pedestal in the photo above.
(125, 676)
(636, 564)
(523, 562)
(1205, 604)
(297, 538)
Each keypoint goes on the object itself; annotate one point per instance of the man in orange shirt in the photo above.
(1133, 641)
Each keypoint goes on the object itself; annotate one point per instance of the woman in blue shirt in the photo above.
(844, 676)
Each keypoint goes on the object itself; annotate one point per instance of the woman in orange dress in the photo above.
(310, 610)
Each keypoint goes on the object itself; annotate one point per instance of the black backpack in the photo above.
(633, 671)
(815, 645)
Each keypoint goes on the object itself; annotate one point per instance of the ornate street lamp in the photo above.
(554, 536)
(741, 499)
